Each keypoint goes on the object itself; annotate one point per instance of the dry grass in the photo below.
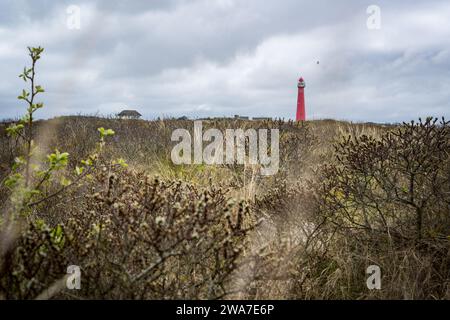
(230, 233)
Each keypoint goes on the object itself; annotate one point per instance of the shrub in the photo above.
(135, 237)
(386, 202)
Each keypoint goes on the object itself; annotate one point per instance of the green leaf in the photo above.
(79, 170)
(37, 106)
(13, 180)
(121, 162)
(89, 162)
(14, 129)
(57, 237)
(40, 224)
(25, 119)
(18, 162)
(31, 193)
(58, 160)
(65, 182)
(105, 132)
(24, 95)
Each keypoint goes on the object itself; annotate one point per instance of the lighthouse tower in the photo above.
(301, 115)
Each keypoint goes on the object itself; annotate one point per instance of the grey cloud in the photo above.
(223, 57)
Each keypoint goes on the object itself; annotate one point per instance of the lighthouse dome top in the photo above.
(301, 83)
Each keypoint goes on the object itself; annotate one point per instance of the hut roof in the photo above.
(129, 113)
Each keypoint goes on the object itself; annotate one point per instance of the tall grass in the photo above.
(226, 231)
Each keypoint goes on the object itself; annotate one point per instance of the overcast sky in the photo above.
(225, 57)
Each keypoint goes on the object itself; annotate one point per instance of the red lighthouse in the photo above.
(301, 114)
